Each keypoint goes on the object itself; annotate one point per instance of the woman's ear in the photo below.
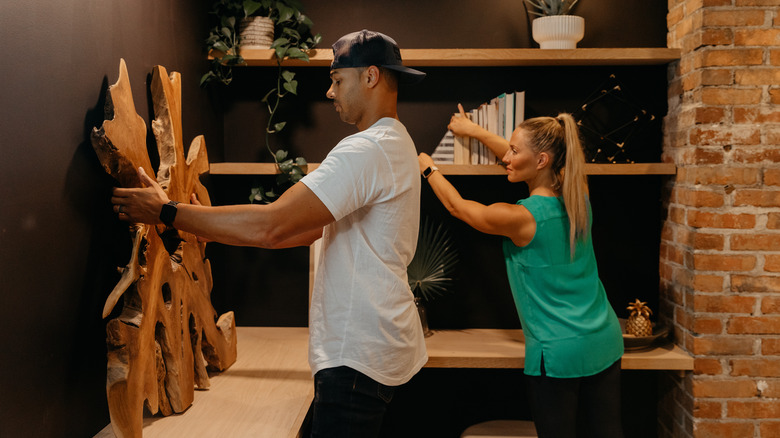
(542, 160)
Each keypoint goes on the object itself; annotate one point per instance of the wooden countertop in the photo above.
(269, 389)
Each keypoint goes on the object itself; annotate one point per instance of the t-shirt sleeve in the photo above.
(354, 174)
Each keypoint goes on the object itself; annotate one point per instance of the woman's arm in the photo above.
(512, 221)
(463, 126)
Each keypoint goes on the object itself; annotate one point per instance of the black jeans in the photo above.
(348, 404)
(558, 403)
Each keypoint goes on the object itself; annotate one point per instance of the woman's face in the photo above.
(522, 163)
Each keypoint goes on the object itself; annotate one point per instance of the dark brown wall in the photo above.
(60, 244)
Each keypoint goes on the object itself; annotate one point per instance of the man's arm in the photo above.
(296, 218)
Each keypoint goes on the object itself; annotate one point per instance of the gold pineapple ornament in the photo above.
(638, 323)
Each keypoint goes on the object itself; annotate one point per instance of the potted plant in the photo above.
(431, 269)
(555, 28)
(292, 40)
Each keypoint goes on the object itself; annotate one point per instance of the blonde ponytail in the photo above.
(559, 136)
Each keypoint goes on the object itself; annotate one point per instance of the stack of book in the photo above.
(500, 115)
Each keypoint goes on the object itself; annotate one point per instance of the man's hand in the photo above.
(140, 204)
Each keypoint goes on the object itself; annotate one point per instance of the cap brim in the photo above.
(406, 75)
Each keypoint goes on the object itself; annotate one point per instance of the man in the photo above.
(364, 201)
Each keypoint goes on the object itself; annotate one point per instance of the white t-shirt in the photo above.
(362, 310)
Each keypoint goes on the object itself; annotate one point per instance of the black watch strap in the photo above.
(168, 213)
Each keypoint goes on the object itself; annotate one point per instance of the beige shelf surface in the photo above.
(269, 389)
(461, 169)
(265, 394)
(491, 57)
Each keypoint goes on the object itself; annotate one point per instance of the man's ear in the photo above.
(371, 76)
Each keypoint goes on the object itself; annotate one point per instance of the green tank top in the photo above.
(563, 308)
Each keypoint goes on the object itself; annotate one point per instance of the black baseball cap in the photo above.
(366, 48)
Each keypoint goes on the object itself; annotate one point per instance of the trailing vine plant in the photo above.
(292, 40)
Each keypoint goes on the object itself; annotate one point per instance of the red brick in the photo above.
(769, 388)
(708, 241)
(723, 303)
(723, 388)
(707, 283)
(757, 37)
(701, 219)
(770, 305)
(716, 37)
(707, 326)
(773, 221)
(707, 366)
(772, 177)
(756, 115)
(737, 175)
(756, 155)
(732, 17)
(721, 262)
(731, 57)
(757, 198)
(767, 367)
(722, 345)
(754, 325)
(753, 409)
(707, 115)
(769, 428)
(731, 96)
(723, 429)
(717, 76)
(699, 198)
(707, 409)
(770, 346)
(703, 156)
(745, 283)
(772, 263)
(755, 242)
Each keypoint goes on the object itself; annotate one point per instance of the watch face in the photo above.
(427, 172)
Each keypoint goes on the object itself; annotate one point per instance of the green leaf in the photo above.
(280, 155)
(300, 161)
(279, 126)
(288, 75)
(292, 87)
(250, 7)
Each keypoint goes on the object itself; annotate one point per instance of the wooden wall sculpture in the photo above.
(167, 336)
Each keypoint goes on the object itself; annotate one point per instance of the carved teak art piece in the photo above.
(168, 334)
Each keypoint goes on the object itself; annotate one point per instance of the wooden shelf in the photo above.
(460, 169)
(268, 391)
(491, 57)
(495, 348)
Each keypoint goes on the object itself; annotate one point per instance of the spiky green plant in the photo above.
(431, 269)
(544, 8)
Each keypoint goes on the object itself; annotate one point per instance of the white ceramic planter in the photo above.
(558, 31)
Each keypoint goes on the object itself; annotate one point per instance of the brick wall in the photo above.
(720, 249)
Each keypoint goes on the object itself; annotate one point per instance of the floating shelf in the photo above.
(490, 57)
(460, 169)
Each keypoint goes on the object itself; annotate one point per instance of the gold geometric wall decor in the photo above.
(167, 336)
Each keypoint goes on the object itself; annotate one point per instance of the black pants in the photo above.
(557, 404)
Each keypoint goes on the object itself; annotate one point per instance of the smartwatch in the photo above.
(168, 213)
(429, 170)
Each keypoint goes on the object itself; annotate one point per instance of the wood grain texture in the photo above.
(168, 335)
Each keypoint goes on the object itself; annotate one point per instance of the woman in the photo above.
(573, 337)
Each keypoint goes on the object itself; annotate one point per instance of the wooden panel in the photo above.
(461, 169)
(492, 57)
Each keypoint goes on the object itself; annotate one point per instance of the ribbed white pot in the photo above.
(558, 31)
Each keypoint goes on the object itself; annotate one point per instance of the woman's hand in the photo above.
(460, 124)
(425, 161)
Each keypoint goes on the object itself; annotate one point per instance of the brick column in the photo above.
(720, 248)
